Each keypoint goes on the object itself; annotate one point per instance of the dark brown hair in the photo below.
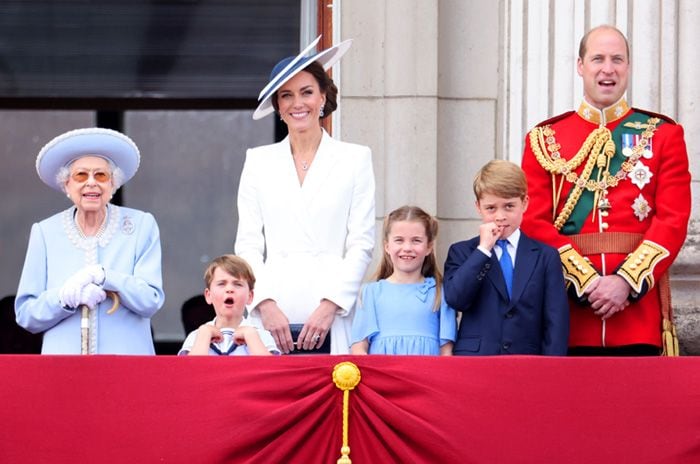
(325, 85)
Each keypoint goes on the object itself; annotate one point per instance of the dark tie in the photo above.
(506, 265)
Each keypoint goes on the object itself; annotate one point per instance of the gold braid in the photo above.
(598, 148)
(556, 164)
(603, 144)
(592, 147)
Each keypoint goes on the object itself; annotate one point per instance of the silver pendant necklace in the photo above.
(304, 164)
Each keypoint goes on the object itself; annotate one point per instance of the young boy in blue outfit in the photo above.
(508, 287)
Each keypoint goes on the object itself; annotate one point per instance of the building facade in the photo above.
(438, 88)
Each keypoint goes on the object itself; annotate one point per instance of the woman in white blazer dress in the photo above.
(306, 211)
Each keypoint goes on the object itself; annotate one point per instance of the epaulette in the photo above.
(656, 115)
(555, 119)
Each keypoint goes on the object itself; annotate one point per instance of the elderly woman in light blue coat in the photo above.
(93, 255)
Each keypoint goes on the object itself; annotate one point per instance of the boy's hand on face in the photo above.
(489, 232)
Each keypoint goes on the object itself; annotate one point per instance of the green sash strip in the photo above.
(584, 206)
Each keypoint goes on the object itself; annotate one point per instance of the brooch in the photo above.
(127, 225)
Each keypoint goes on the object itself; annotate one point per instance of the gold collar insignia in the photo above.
(604, 116)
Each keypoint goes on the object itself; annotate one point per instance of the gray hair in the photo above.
(63, 175)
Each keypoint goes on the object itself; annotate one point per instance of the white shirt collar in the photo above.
(514, 238)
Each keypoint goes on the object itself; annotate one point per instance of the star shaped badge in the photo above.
(640, 175)
(641, 207)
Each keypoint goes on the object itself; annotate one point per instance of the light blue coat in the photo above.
(128, 249)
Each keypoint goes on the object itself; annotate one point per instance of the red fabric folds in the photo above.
(405, 409)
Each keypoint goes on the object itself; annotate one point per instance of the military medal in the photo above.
(640, 175)
(627, 143)
(641, 207)
(648, 152)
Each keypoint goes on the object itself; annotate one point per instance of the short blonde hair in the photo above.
(234, 265)
(501, 178)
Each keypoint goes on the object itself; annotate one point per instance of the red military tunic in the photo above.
(649, 195)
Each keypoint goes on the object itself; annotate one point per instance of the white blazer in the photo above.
(308, 242)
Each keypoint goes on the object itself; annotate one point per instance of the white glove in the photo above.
(71, 291)
(92, 295)
(96, 273)
(69, 294)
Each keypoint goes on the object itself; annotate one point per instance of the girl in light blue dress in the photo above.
(404, 311)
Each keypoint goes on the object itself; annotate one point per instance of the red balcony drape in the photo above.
(117, 409)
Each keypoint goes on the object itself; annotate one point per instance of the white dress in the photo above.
(312, 241)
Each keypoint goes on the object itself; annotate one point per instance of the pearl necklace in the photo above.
(100, 231)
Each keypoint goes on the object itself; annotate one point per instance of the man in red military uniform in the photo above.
(609, 187)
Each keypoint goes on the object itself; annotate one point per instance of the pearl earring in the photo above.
(321, 113)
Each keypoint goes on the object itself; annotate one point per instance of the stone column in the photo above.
(389, 98)
(468, 90)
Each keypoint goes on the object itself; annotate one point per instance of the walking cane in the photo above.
(85, 321)
(84, 329)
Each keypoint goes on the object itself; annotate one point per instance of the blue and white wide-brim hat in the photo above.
(92, 141)
(291, 66)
